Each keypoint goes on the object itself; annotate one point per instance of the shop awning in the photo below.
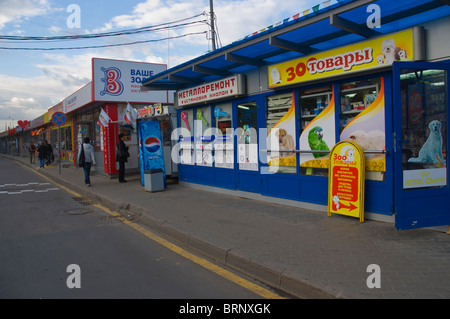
(337, 25)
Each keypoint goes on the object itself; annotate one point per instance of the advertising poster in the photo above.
(346, 180)
(367, 130)
(319, 134)
(280, 138)
(367, 54)
(116, 80)
(150, 147)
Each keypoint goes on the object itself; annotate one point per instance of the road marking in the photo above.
(25, 184)
(16, 192)
(261, 291)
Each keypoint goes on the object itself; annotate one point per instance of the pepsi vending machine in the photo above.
(150, 148)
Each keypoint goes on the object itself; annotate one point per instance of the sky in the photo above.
(31, 81)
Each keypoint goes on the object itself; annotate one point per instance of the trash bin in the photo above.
(154, 180)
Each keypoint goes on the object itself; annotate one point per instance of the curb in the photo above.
(224, 256)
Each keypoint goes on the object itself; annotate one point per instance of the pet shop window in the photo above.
(281, 133)
(362, 120)
(317, 124)
(424, 128)
(355, 97)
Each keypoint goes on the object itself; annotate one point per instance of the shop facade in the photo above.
(261, 116)
(115, 87)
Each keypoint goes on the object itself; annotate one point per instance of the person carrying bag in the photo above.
(86, 159)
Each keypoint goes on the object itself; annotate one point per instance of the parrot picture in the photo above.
(316, 142)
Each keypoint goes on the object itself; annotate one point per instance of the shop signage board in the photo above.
(424, 178)
(376, 53)
(78, 99)
(116, 80)
(346, 180)
(224, 88)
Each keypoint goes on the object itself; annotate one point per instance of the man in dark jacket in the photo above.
(121, 157)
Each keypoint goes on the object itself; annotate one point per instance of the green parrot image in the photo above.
(316, 142)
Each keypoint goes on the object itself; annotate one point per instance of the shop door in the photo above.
(422, 196)
(247, 146)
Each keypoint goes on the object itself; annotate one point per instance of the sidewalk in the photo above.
(302, 252)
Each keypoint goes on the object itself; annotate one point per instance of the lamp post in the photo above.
(213, 31)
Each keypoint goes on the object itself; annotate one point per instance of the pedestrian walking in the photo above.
(121, 157)
(49, 153)
(89, 160)
(42, 153)
(32, 150)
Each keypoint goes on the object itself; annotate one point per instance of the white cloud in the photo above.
(235, 19)
(17, 10)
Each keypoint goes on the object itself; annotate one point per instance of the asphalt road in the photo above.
(50, 240)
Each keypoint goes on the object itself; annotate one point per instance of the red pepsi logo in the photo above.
(152, 144)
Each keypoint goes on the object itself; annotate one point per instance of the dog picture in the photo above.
(286, 142)
(335, 200)
(402, 55)
(275, 74)
(370, 141)
(431, 151)
(380, 59)
(391, 52)
(388, 49)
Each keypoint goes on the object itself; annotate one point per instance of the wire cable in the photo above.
(106, 45)
(158, 27)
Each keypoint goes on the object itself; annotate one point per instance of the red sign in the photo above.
(227, 87)
(109, 139)
(23, 124)
(346, 180)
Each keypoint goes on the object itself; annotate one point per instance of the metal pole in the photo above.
(213, 31)
(59, 149)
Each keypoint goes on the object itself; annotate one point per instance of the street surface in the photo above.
(50, 240)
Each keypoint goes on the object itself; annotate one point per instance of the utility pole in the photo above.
(213, 31)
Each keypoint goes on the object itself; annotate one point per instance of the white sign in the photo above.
(420, 178)
(78, 99)
(116, 80)
(220, 89)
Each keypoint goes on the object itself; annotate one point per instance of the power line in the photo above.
(158, 27)
(106, 45)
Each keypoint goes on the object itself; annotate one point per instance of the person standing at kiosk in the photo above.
(121, 157)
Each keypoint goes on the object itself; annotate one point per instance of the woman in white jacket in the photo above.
(89, 160)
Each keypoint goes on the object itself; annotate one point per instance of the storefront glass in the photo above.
(355, 97)
(224, 142)
(317, 126)
(186, 137)
(203, 136)
(281, 141)
(362, 120)
(424, 128)
(247, 136)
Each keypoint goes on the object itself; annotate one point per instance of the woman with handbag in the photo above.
(86, 159)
